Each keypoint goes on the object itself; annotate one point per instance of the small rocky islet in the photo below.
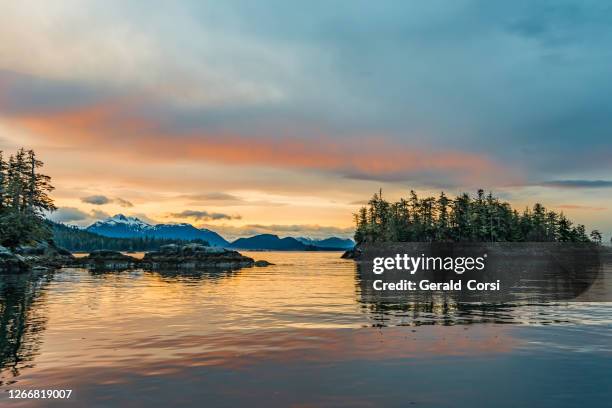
(46, 256)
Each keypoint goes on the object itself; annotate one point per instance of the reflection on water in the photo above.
(306, 330)
(21, 322)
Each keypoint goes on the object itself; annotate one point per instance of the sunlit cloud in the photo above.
(204, 215)
(580, 207)
(117, 129)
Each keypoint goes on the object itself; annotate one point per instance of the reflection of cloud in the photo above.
(578, 183)
(204, 215)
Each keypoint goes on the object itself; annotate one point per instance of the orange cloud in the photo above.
(116, 126)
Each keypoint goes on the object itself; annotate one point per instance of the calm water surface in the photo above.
(300, 333)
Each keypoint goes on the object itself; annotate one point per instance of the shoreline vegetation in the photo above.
(482, 218)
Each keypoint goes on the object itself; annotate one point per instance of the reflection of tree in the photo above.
(532, 274)
(21, 322)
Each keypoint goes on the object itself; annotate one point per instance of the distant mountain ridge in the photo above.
(121, 226)
(331, 242)
(270, 242)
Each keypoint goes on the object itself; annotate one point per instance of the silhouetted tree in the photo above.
(23, 199)
(484, 218)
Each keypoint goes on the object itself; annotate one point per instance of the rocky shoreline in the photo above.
(46, 256)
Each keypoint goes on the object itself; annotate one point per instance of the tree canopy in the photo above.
(24, 199)
(482, 218)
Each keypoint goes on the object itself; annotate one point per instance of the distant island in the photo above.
(482, 218)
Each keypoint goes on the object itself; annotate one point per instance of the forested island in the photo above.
(482, 218)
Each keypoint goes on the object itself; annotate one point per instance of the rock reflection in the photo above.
(172, 275)
(21, 322)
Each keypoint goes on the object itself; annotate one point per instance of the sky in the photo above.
(284, 117)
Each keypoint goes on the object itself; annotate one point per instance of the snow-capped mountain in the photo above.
(120, 226)
(331, 242)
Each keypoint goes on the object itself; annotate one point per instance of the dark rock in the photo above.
(354, 253)
(11, 262)
(45, 254)
(112, 260)
(262, 263)
(194, 256)
(38, 256)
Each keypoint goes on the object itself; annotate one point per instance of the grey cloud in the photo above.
(68, 214)
(123, 203)
(76, 216)
(492, 77)
(99, 199)
(96, 200)
(204, 215)
(578, 183)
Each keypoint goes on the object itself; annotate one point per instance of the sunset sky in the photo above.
(250, 117)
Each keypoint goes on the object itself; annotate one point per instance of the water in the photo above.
(301, 333)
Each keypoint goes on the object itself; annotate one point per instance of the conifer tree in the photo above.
(24, 199)
(483, 219)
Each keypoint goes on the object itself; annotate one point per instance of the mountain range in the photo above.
(121, 226)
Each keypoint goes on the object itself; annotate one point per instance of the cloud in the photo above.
(98, 215)
(123, 203)
(68, 214)
(580, 207)
(214, 196)
(102, 200)
(144, 217)
(204, 215)
(118, 128)
(74, 215)
(297, 230)
(578, 183)
(96, 200)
